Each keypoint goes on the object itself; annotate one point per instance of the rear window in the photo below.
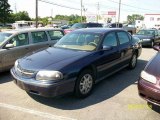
(55, 34)
(123, 37)
(39, 37)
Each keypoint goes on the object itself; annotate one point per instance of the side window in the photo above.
(123, 37)
(110, 40)
(20, 40)
(55, 35)
(39, 37)
(156, 33)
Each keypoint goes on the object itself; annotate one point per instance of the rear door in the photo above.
(39, 40)
(125, 47)
(108, 61)
(21, 48)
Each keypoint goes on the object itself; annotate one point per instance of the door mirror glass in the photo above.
(9, 46)
(107, 48)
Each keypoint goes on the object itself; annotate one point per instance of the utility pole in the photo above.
(15, 7)
(97, 12)
(119, 15)
(84, 11)
(36, 13)
(81, 11)
(51, 12)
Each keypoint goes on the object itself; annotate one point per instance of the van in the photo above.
(17, 43)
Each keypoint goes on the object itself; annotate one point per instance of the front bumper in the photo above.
(149, 93)
(146, 42)
(44, 88)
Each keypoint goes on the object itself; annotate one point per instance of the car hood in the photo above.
(44, 59)
(153, 67)
(143, 36)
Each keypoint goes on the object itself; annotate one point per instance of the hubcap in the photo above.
(86, 84)
(134, 59)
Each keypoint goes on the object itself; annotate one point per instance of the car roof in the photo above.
(29, 30)
(98, 30)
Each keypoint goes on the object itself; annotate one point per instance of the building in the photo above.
(139, 23)
(152, 21)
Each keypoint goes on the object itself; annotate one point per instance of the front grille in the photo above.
(23, 72)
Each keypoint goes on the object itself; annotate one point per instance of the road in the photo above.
(115, 98)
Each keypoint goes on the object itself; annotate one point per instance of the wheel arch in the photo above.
(90, 67)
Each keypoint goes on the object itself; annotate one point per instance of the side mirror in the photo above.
(107, 48)
(156, 47)
(9, 46)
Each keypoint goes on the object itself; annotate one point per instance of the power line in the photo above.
(131, 6)
(49, 2)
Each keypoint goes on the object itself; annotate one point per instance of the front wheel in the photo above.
(84, 84)
(133, 61)
(152, 44)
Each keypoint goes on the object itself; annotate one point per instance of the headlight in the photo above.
(49, 75)
(146, 39)
(148, 77)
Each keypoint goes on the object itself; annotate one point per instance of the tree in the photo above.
(72, 18)
(22, 15)
(4, 11)
(134, 17)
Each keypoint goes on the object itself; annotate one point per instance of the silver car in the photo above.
(17, 43)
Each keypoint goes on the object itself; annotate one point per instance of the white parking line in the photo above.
(38, 113)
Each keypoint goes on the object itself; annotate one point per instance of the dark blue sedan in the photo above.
(78, 61)
(148, 36)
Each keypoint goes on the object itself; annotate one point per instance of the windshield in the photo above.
(146, 32)
(79, 41)
(4, 36)
(79, 25)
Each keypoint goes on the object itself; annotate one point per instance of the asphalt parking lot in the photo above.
(115, 98)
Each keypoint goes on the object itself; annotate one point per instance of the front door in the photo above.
(21, 48)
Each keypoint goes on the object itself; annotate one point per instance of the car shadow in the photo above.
(5, 77)
(103, 90)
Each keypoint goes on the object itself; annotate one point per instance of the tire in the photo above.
(84, 84)
(133, 61)
(152, 44)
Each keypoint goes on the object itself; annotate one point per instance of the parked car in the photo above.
(149, 81)
(66, 26)
(129, 28)
(82, 25)
(148, 36)
(76, 62)
(17, 43)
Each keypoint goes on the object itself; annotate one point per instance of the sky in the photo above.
(128, 7)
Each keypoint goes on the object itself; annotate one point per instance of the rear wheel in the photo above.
(133, 61)
(84, 84)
